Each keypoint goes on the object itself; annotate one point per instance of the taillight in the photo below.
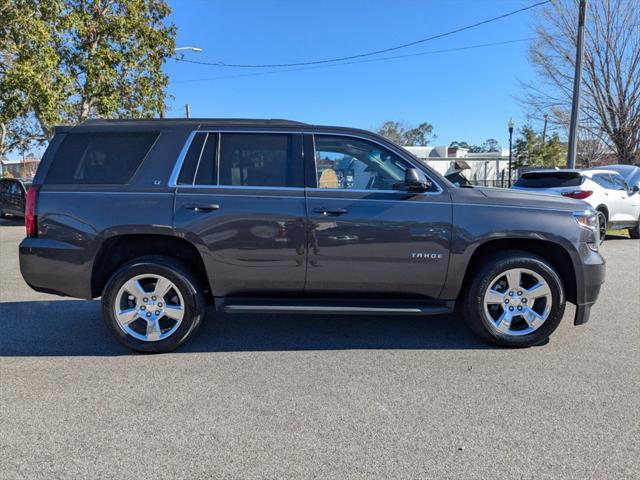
(30, 218)
(578, 194)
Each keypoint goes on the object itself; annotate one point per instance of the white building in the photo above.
(489, 169)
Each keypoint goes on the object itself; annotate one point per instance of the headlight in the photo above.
(588, 220)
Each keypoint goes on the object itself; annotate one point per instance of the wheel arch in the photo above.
(603, 208)
(555, 254)
(119, 249)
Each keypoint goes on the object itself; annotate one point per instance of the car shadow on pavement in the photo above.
(11, 222)
(75, 328)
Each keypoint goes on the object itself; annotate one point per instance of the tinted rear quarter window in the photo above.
(100, 157)
(550, 180)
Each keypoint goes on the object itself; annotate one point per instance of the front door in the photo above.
(365, 236)
(240, 200)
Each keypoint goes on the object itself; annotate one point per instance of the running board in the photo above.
(339, 307)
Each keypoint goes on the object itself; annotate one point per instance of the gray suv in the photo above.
(161, 218)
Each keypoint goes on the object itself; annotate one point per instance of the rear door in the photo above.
(240, 200)
(612, 198)
(628, 204)
(365, 237)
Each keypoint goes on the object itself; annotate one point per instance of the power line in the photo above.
(367, 54)
(431, 52)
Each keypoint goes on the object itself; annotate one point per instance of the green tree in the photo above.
(64, 61)
(531, 152)
(402, 134)
(456, 144)
(489, 145)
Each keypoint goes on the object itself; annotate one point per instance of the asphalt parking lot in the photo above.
(318, 397)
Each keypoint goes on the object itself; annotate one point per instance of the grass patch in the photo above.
(619, 233)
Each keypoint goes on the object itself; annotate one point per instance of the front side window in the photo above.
(258, 160)
(349, 163)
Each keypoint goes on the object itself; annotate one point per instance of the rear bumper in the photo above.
(593, 275)
(51, 266)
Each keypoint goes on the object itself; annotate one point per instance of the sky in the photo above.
(467, 95)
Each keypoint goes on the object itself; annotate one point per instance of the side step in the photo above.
(332, 306)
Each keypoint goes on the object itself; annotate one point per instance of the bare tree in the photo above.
(610, 101)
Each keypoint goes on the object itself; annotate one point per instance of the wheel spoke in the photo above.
(153, 330)
(503, 323)
(134, 288)
(162, 287)
(126, 316)
(174, 312)
(493, 296)
(533, 319)
(513, 278)
(540, 289)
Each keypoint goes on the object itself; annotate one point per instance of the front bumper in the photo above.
(588, 290)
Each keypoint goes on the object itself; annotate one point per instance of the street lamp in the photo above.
(182, 49)
(192, 49)
(510, 125)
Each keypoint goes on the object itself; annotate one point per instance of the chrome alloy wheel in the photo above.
(149, 307)
(517, 302)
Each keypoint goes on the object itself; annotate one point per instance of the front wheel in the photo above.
(152, 304)
(516, 299)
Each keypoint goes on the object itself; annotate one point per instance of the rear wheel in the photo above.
(516, 299)
(635, 231)
(152, 304)
(602, 225)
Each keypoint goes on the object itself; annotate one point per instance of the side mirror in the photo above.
(414, 181)
(635, 189)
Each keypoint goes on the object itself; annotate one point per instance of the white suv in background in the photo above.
(618, 204)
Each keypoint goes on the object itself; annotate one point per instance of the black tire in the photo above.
(602, 224)
(181, 277)
(635, 231)
(474, 310)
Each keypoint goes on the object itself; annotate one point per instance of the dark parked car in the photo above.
(162, 217)
(13, 195)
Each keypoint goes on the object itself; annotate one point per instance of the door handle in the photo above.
(202, 207)
(328, 212)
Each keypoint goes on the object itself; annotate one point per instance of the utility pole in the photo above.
(544, 130)
(577, 82)
(187, 111)
(510, 126)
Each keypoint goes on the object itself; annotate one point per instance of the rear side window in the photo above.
(549, 180)
(242, 160)
(604, 180)
(258, 160)
(100, 157)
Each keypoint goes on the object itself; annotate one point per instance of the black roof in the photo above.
(194, 123)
